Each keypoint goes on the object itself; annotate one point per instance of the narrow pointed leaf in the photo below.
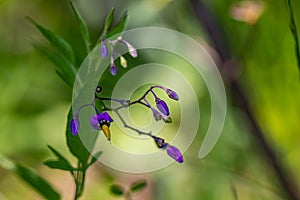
(116, 189)
(119, 27)
(108, 20)
(58, 155)
(64, 78)
(65, 68)
(30, 177)
(294, 31)
(107, 24)
(56, 40)
(36, 182)
(59, 164)
(83, 27)
(95, 157)
(138, 185)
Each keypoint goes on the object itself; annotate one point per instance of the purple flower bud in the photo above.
(103, 49)
(74, 126)
(113, 69)
(131, 49)
(96, 121)
(162, 106)
(160, 142)
(133, 52)
(174, 153)
(172, 94)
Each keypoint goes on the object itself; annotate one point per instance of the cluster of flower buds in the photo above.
(107, 44)
(163, 110)
(101, 121)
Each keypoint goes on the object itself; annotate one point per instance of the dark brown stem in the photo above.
(217, 35)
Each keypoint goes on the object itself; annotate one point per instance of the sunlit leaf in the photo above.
(116, 189)
(56, 40)
(138, 185)
(83, 27)
(65, 68)
(6, 163)
(119, 27)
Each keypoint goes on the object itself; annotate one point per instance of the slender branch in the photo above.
(116, 110)
(79, 178)
(217, 35)
(130, 127)
(127, 103)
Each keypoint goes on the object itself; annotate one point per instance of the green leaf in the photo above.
(58, 155)
(56, 40)
(116, 189)
(294, 31)
(107, 24)
(83, 27)
(59, 164)
(75, 144)
(64, 68)
(119, 27)
(138, 185)
(108, 20)
(62, 163)
(36, 182)
(95, 157)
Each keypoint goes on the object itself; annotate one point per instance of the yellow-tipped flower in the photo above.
(123, 62)
(102, 122)
(106, 131)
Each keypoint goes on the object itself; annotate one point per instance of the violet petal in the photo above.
(74, 126)
(174, 153)
(172, 94)
(94, 122)
(104, 116)
(162, 106)
(113, 70)
(103, 49)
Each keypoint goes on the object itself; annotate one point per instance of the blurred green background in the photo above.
(34, 101)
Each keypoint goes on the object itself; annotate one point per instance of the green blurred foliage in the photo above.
(34, 102)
